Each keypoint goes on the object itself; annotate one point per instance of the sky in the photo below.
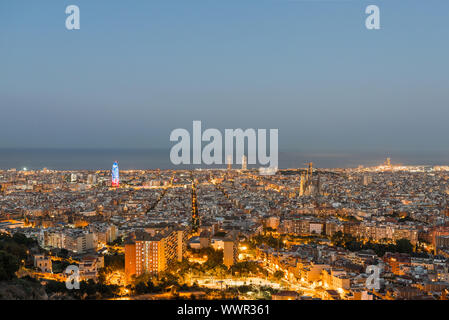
(136, 70)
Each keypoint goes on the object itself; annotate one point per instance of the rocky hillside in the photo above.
(19, 289)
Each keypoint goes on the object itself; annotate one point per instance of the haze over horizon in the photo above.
(102, 159)
(311, 69)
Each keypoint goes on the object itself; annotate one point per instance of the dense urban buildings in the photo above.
(227, 233)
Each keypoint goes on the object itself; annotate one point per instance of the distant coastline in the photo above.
(101, 159)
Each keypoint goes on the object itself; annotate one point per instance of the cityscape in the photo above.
(218, 159)
(300, 234)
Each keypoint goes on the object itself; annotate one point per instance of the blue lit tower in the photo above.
(115, 175)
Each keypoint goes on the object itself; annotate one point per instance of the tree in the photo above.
(214, 258)
(244, 288)
(64, 253)
(20, 238)
(117, 242)
(246, 268)
(279, 274)
(9, 264)
(404, 246)
(115, 262)
(220, 270)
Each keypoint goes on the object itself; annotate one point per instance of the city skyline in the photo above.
(142, 159)
(302, 234)
(242, 151)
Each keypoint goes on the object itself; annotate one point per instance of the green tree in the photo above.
(279, 274)
(115, 261)
(9, 264)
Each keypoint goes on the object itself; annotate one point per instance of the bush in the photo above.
(279, 274)
(9, 264)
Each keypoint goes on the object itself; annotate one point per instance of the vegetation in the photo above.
(115, 261)
(269, 240)
(214, 263)
(13, 252)
(247, 268)
(261, 292)
(62, 253)
(117, 242)
(353, 244)
(279, 274)
(9, 264)
(112, 263)
(59, 266)
(88, 290)
(163, 282)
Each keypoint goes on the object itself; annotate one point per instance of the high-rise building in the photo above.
(229, 162)
(154, 253)
(230, 251)
(115, 175)
(181, 243)
(244, 163)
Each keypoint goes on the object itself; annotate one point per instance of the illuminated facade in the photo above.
(230, 252)
(154, 253)
(115, 175)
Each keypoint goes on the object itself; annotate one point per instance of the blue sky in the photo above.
(136, 70)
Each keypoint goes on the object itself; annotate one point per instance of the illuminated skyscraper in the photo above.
(115, 175)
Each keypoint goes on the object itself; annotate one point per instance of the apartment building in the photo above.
(153, 253)
(230, 251)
